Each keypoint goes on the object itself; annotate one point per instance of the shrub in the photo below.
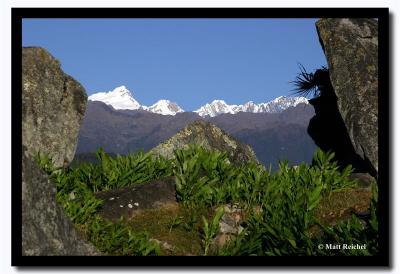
(207, 179)
(75, 192)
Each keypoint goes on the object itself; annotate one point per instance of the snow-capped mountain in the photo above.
(277, 105)
(164, 107)
(280, 104)
(215, 108)
(119, 98)
(122, 98)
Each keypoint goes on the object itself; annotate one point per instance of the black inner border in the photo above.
(382, 14)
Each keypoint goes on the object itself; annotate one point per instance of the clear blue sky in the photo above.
(188, 61)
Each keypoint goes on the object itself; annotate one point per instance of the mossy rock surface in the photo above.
(339, 206)
(172, 227)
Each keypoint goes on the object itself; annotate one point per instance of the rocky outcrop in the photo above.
(53, 106)
(130, 201)
(46, 230)
(351, 48)
(210, 137)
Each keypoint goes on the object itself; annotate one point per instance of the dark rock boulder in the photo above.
(327, 128)
(46, 230)
(351, 48)
(210, 137)
(53, 106)
(129, 201)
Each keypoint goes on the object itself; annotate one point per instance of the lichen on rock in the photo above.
(351, 48)
(53, 106)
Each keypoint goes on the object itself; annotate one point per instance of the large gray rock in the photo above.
(210, 137)
(53, 106)
(351, 48)
(46, 230)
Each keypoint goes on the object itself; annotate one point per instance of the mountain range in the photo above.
(276, 130)
(277, 105)
(122, 99)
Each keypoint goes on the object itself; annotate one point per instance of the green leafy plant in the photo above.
(119, 239)
(175, 222)
(191, 222)
(210, 230)
(286, 202)
(135, 168)
(81, 205)
(45, 162)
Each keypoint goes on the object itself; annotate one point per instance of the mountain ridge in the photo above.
(279, 104)
(122, 99)
(272, 135)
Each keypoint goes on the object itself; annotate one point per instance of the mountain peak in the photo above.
(121, 98)
(215, 108)
(121, 90)
(118, 98)
(218, 101)
(164, 101)
(279, 98)
(164, 107)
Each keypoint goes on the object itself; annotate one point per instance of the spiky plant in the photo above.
(312, 83)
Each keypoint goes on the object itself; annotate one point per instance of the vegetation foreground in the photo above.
(287, 212)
